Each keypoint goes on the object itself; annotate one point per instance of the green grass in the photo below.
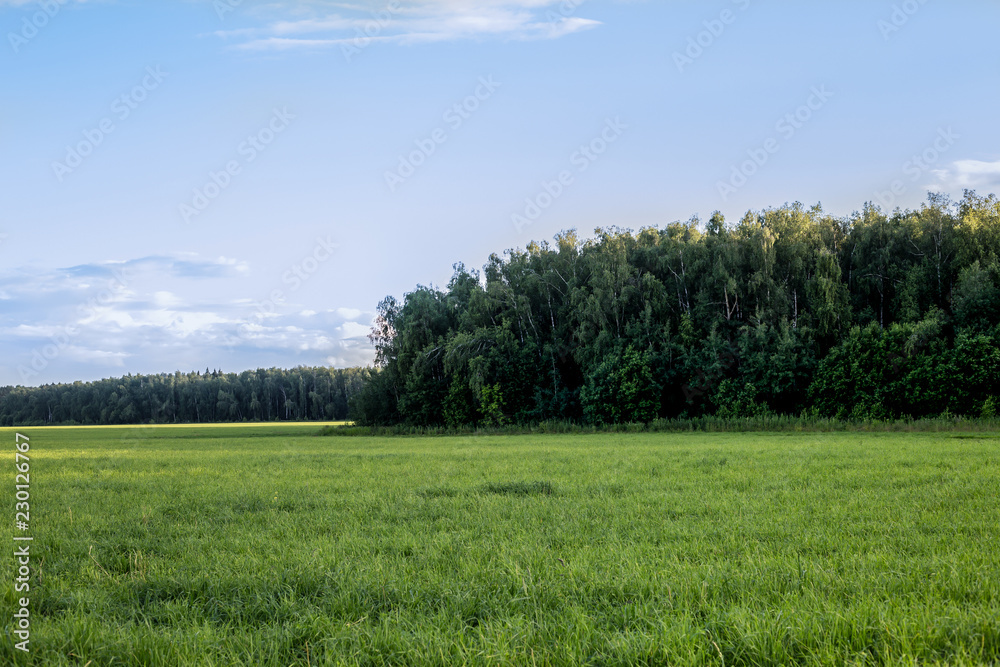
(266, 545)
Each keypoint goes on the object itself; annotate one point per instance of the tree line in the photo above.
(213, 396)
(875, 315)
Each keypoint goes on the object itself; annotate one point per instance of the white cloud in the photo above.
(353, 330)
(31, 331)
(240, 266)
(314, 25)
(153, 315)
(282, 44)
(92, 356)
(968, 174)
(418, 21)
(166, 299)
(348, 313)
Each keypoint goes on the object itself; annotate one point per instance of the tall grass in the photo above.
(706, 424)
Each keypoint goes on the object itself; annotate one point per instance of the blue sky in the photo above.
(225, 184)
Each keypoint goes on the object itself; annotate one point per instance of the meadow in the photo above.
(269, 545)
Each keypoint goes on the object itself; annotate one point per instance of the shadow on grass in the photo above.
(519, 488)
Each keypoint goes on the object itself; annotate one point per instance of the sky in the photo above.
(232, 184)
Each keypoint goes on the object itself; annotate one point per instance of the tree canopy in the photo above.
(874, 315)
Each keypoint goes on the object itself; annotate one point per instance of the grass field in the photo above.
(266, 545)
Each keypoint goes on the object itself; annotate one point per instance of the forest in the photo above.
(876, 315)
(790, 311)
(213, 396)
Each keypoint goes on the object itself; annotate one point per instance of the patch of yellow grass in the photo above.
(5, 429)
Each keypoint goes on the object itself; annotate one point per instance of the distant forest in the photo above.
(791, 311)
(261, 395)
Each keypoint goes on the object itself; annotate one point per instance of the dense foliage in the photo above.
(261, 395)
(877, 315)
